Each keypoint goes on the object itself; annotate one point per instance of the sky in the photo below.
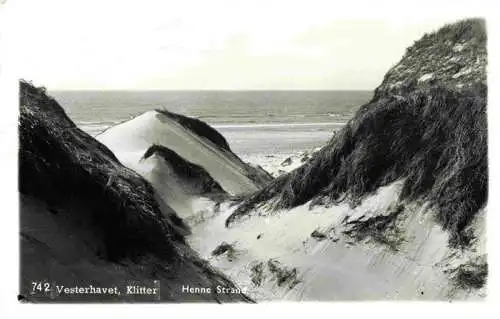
(211, 45)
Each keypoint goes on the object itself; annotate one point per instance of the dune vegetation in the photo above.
(198, 127)
(186, 170)
(430, 133)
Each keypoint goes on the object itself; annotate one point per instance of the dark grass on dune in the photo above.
(455, 48)
(184, 168)
(198, 127)
(59, 163)
(257, 174)
(433, 138)
(470, 275)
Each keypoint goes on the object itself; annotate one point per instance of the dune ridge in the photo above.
(431, 132)
(88, 220)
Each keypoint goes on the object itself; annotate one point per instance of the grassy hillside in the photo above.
(454, 56)
(426, 125)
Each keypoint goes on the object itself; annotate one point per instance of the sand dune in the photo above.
(130, 140)
(314, 254)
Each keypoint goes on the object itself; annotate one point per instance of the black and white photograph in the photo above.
(249, 152)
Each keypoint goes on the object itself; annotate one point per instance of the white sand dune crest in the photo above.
(129, 140)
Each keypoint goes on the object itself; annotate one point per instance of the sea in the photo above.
(253, 122)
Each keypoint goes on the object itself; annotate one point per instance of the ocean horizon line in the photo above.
(201, 90)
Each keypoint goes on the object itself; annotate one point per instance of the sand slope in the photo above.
(130, 140)
(311, 254)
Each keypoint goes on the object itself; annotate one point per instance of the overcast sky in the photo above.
(149, 44)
